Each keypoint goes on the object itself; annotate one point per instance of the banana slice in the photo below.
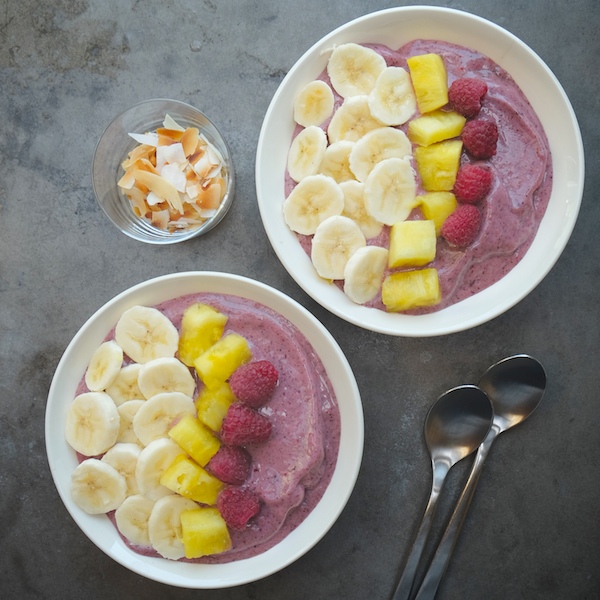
(164, 525)
(125, 386)
(364, 272)
(352, 120)
(132, 519)
(314, 104)
(393, 100)
(335, 241)
(375, 146)
(145, 333)
(156, 415)
(335, 161)
(354, 208)
(165, 375)
(390, 191)
(313, 200)
(123, 457)
(104, 366)
(97, 487)
(152, 462)
(353, 69)
(306, 153)
(92, 425)
(127, 411)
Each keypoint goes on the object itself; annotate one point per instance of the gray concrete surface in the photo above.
(66, 68)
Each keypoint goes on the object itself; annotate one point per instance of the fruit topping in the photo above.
(435, 126)
(237, 506)
(410, 289)
(412, 243)
(462, 226)
(212, 404)
(243, 425)
(438, 164)
(195, 438)
(436, 206)
(231, 464)
(473, 183)
(430, 81)
(203, 532)
(218, 363)
(465, 95)
(201, 327)
(253, 383)
(188, 479)
(480, 137)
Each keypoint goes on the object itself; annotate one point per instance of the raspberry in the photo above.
(230, 464)
(480, 138)
(465, 96)
(462, 226)
(237, 506)
(254, 383)
(243, 425)
(473, 183)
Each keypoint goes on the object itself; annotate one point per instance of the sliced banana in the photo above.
(352, 120)
(313, 200)
(375, 146)
(164, 525)
(123, 457)
(97, 487)
(132, 519)
(152, 462)
(306, 153)
(335, 161)
(92, 425)
(364, 272)
(393, 100)
(156, 415)
(145, 333)
(353, 69)
(354, 208)
(104, 366)
(165, 375)
(390, 191)
(127, 411)
(335, 241)
(125, 386)
(314, 104)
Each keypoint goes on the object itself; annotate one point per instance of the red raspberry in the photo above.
(237, 506)
(473, 183)
(480, 138)
(231, 464)
(465, 96)
(243, 425)
(462, 226)
(254, 383)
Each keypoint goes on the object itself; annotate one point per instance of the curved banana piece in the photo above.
(393, 100)
(125, 385)
(306, 153)
(165, 375)
(123, 457)
(97, 487)
(152, 462)
(353, 69)
(314, 104)
(132, 519)
(127, 411)
(335, 161)
(364, 272)
(104, 366)
(354, 208)
(352, 120)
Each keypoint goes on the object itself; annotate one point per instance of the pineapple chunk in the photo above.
(204, 532)
(437, 206)
(430, 81)
(190, 480)
(195, 438)
(435, 126)
(438, 164)
(412, 244)
(411, 289)
(212, 405)
(201, 326)
(219, 362)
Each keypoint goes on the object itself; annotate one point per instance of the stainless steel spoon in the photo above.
(455, 426)
(515, 386)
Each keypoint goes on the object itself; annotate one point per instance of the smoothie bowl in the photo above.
(299, 469)
(334, 149)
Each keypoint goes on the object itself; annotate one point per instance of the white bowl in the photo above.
(99, 529)
(394, 27)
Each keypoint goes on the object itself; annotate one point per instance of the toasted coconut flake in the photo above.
(138, 152)
(160, 219)
(189, 140)
(174, 134)
(154, 199)
(173, 175)
(208, 213)
(170, 123)
(175, 154)
(148, 139)
(193, 190)
(161, 187)
(126, 182)
(210, 197)
(203, 166)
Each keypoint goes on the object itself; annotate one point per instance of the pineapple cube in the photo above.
(411, 289)
(195, 438)
(203, 532)
(412, 244)
(437, 206)
(190, 480)
(201, 326)
(435, 126)
(219, 362)
(212, 405)
(438, 165)
(430, 81)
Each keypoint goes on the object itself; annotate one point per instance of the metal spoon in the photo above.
(455, 425)
(515, 386)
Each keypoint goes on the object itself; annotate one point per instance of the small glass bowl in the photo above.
(114, 146)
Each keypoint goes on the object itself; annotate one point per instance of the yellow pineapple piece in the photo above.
(411, 289)
(195, 438)
(201, 326)
(435, 127)
(212, 405)
(204, 532)
(438, 164)
(190, 480)
(412, 244)
(437, 207)
(219, 362)
(430, 81)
